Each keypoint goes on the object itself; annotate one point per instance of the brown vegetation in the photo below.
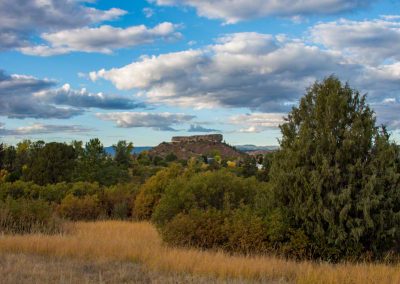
(140, 242)
(186, 150)
(27, 269)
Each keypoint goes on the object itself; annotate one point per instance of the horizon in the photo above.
(147, 70)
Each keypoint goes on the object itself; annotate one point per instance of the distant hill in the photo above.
(249, 147)
(200, 147)
(196, 146)
(136, 150)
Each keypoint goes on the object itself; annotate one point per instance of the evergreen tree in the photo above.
(52, 163)
(123, 153)
(336, 176)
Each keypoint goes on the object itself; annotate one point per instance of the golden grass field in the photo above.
(127, 242)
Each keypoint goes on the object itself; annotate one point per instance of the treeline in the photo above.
(49, 163)
(331, 192)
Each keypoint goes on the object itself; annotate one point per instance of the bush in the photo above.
(80, 208)
(117, 201)
(151, 191)
(215, 210)
(200, 229)
(27, 216)
(220, 190)
(247, 233)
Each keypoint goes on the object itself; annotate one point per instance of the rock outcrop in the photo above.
(185, 147)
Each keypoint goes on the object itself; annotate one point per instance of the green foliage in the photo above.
(336, 176)
(51, 163)
(249, 167)
(171, 157)
(123, 156)
(151, 191)
(220, 190)
(197, 228)
(80, 208)
(96, 166)
(19, 216)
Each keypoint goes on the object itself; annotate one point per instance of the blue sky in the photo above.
(145, 71)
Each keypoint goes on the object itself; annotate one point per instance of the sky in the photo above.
(147, 70)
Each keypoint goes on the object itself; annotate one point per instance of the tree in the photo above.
(52, 163)
(123, 153)
(2, 154)
(336, 176)
(96, 166)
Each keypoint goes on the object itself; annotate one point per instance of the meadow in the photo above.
(132, 247)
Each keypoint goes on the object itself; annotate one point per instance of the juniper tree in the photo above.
(336, 175)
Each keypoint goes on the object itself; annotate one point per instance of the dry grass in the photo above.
(140, 242)
(27, 269)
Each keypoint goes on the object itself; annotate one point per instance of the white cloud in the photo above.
(20, 19)
(38, 128)
(232, 11)
(257, 122)
(241, 70)
(157, 121)
(103, 39)
(368, 41)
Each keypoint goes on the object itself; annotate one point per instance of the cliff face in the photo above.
(196, 146)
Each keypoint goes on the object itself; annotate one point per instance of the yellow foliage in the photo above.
(231, 164)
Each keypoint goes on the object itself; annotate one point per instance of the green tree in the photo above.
(123, 153)
(95, 165)
(51, 163)
(336, 176)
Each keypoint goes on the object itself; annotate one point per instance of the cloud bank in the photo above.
(233, 11)
(103, 39)
(24, 96)
(20, 19)
(38, 128)
(157, 121)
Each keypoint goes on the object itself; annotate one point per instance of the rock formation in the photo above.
(185, 147)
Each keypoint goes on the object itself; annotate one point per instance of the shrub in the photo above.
(27, 216)
(81, 189)
(151, 191)
(247, 232)
(80, 208)
(200, 229)
(220, 190)
(117, 201)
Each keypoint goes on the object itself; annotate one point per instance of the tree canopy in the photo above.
(336, 176)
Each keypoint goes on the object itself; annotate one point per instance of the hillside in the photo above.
(196, 146)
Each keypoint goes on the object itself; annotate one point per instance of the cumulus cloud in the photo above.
(20, 19)
(65, 95)
(36, 129)
(103, 39)
(24, 96)
(232, 11)
(251, 70)
(17, 101)
(369, 41)
(157, 121)
(257, 122)
(199, 128)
